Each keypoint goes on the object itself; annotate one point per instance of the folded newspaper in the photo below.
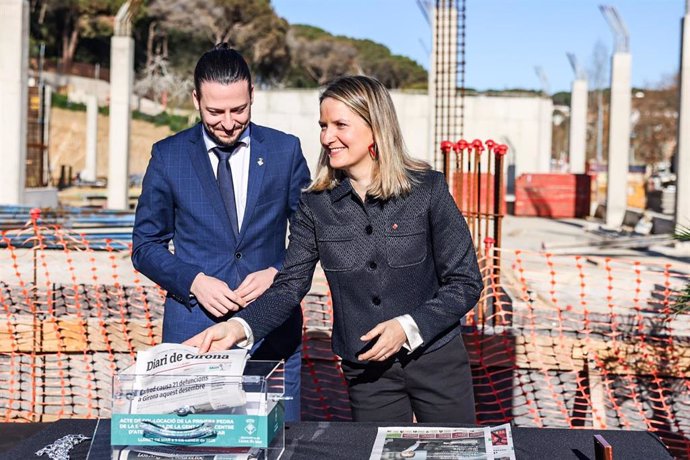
(173, 378)
(426, 443)
(179, 453)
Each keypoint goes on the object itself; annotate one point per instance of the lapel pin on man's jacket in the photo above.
(260, 161)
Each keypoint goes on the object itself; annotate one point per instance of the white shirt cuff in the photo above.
(414, 337)
(249, 341)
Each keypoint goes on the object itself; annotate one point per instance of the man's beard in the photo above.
(219, 142)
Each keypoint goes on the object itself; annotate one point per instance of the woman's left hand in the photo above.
(391, 337)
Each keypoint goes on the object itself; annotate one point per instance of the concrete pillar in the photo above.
(121, 83)
(14, 70)
(683, 155)
(47, 114)
(89, 172)
(545, 135)
(578, 127)
(619, 139)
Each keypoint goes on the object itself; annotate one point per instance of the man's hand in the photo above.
(391, 338)
(256, 284)
(215, 295)
(221, 336)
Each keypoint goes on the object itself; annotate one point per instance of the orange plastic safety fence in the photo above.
(602, 343)
(556, 341)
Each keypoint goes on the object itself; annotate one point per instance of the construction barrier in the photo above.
(556, 341)
(553, 195)
(474, 172)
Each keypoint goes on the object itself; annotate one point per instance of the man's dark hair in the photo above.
(221, 64)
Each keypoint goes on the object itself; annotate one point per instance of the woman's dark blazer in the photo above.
(409, 255)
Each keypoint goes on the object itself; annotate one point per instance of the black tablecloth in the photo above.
(352, 441)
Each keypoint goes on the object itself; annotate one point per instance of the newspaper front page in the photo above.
(180, 453)
(427, 443)
(174, 378)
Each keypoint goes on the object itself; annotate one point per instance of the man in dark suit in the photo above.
(223, 192)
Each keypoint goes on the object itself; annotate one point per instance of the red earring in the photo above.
(373, 151)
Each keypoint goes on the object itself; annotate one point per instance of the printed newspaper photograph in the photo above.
(481, 443)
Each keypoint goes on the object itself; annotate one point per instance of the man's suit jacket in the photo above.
(180, 201)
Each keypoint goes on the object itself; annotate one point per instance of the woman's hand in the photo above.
(391, 337)
(221, 336)
(256, 284)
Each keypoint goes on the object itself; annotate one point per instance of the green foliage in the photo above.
(368, 49)
(187, 51)
(561, 98)
(682, 302)
(512, 92)
(174, 122)
(278, 53)
(370, 58)
(682, 234)
(94, 51)
(251, 27)
(61, 101)
(654, 131)
(394, 71)
(63, 24)
(309, 32)
(298, 77)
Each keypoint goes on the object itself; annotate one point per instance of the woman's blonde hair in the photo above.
(393, 167)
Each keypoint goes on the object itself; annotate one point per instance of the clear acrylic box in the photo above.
(216, 416)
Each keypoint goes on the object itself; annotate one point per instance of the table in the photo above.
(352, 441)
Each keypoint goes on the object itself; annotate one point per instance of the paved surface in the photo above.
(602, 280)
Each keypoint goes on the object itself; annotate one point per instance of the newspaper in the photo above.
(427, 443)
(173, 378)
(164, 453)
(502, 442)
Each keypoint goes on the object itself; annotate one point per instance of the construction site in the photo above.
(580, 324)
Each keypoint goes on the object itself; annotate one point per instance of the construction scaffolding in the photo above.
(448, 63)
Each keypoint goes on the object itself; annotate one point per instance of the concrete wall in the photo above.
(42, 197)
(524, 123)
(80, 89)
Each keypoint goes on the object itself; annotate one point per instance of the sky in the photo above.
(507, 39)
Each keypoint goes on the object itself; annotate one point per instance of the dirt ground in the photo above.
(68, 142)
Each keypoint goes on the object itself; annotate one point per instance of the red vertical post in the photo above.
(445, 151)
(477, 146)
(499, 151)
(460, 148)
(488, 216)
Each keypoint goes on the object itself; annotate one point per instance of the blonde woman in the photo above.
(399, 261)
